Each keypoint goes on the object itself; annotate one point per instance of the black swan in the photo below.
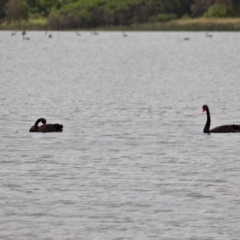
(221, 129)
(46, 127)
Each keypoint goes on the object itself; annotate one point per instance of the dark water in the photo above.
(132, 162)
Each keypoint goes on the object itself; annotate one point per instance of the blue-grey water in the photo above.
(132, 161)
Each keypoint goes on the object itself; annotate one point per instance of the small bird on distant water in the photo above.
(23, 34)
(208, 35)
(124, 34)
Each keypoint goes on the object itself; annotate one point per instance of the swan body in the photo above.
(56, 127)
(233, 128)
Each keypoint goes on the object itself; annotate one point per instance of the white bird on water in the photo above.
(124, 34)
(208, 35)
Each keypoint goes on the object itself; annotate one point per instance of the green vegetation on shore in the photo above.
(134, 15)
(198, 24)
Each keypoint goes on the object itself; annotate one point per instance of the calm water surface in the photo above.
(132, 162)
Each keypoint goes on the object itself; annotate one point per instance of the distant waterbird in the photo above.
(124, 34)
(23, 34)
(208, 35)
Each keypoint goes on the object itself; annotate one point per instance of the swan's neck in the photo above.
(208, 123)
(36, 123)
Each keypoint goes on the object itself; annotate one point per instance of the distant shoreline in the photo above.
(197, 24)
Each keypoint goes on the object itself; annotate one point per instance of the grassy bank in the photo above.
(32, 24)
(199, 24)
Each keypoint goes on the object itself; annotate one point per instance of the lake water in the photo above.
(132, 161)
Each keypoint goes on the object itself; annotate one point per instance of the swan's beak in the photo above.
(203, 111)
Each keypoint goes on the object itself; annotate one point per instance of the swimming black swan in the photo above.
(221, 129)
(46, 127)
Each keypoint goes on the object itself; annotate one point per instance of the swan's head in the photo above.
(204, 108)
(43, 120)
